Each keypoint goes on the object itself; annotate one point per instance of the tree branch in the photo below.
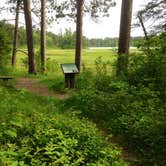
(19, 50)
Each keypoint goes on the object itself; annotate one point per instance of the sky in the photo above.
(105, 27)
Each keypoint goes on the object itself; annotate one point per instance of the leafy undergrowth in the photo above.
(34, 132)
(132, 107)
(135, 115)
(55, 83)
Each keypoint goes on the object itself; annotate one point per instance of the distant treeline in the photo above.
(112, 42)
(64, 40)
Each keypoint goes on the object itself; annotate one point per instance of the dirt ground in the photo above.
(32, 85)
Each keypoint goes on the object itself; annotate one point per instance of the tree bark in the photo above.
(29, 34)
(43, 36)
(15, 38)
(79, 24)
(124, 36)
(142, 25)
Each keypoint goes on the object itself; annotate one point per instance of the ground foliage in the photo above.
(33, 132)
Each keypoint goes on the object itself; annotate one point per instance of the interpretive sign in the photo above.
(69, 70)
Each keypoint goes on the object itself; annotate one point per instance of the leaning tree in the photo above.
(154, 11)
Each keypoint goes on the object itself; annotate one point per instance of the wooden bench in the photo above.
(5, 79)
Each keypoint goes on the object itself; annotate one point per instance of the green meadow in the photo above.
(55, 57)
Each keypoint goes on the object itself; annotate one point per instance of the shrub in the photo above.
(84, 80)
(149, 69)
(103, 78)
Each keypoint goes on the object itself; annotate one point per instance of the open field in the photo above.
(55, 57)
(88, 56)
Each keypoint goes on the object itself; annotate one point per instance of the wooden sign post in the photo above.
(69, 70)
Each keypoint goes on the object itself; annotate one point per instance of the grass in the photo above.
(59, 56)
(54, 78)
(55, 57)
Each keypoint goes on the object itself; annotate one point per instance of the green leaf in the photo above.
(17, 124)
(11, 133)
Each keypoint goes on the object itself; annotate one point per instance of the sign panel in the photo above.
(68, 68)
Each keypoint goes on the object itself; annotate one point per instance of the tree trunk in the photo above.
(142, 25)
(43, 36)
(79, 23)
(15, 38)
(124, 36)
(29, 34)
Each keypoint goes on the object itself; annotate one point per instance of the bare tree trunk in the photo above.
(15, 38)
(43, 36)
(79, 23)
(142, 25)
(29, 33)
(124, 36)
